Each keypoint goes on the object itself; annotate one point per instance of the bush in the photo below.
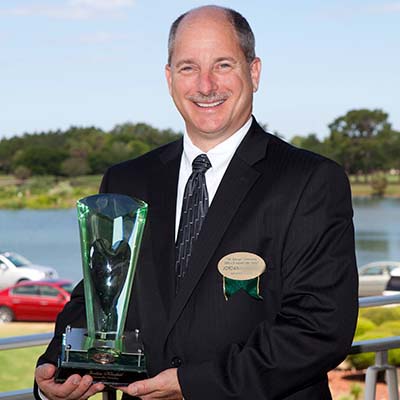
(22, 173)
(364, 325)
(364, 360)
(379, 183)
(75, 166)
(392, 326)
(378, 315)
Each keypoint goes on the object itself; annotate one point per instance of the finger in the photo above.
(161, 396)
(141, 388)
(44, 372)
(53, 390)
(75, 387)
(82, 389)
(93, 389)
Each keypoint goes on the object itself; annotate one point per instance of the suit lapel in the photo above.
(237, 181)
(162, 206)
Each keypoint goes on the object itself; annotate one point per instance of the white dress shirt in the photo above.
(219, 156)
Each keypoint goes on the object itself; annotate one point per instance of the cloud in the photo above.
(73, 9)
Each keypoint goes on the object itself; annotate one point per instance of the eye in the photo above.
(186, 69)
(224, 66)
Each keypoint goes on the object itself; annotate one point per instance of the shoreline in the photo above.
(53, 193)
(71, 203)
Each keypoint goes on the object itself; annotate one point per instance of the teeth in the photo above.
(207, 105)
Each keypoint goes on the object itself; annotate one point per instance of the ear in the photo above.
(255, 72)
(168, 75)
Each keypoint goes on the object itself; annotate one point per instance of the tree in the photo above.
(354, 139)
(362, 123)
(75, 166)
(22, 173)
(310, 142)
(41, 160)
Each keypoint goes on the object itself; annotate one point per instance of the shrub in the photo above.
(378, 315)
(364, 360)
(364, 325)
(392, 326)
(22, 173)
(378, 184)
(75, 166)
(356, 391)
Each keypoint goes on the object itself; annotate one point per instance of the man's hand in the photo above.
(75, 387)
(164, 386)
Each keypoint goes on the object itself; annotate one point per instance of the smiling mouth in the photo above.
(209, 105)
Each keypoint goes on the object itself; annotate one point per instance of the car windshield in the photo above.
(68, 287)
(17, 259)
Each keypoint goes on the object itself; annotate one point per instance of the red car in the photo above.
(34, 300)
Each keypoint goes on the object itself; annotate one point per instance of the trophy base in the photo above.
(104, 365)
(110, 375)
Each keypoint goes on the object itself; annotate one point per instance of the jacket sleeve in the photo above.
(314, 329)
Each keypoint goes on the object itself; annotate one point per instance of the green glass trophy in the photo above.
(111, 228)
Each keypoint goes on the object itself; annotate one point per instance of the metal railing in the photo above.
(20, 342)
(379, 346)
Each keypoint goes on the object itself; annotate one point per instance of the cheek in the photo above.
(181, 89)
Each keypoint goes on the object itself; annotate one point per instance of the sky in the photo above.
(101, 62)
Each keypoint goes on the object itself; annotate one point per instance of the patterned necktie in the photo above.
(194, 210)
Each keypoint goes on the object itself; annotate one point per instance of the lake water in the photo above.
(51, 237)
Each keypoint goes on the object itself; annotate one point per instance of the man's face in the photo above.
(210, 80)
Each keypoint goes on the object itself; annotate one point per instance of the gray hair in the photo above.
(239, 23)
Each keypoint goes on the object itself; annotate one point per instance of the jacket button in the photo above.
(176, 362)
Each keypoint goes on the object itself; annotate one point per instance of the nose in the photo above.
(207, 83)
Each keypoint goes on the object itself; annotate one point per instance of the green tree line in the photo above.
(362, 140)
(78, 150)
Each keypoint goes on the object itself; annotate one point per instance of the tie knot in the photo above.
(201, 163)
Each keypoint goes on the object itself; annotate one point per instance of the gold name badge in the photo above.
(241, 266)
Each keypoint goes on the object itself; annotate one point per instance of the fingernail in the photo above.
(76, 380)
(133, 390)
(87, 380)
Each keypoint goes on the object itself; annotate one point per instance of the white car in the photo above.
(373, 277)
(14, 268)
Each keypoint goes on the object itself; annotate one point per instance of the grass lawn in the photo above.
(364, 189)
(17, 366)
(46, 192)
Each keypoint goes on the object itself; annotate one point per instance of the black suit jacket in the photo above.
(293, 209)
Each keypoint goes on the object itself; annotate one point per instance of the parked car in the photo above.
(34, 301)
(393, 285)
(373, 277)
(15, 268)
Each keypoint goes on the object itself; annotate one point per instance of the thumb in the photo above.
(45, 372)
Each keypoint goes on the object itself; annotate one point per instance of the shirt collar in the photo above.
(220, 153)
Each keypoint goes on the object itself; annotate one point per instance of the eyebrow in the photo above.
(230, 59)
(182, 62)
(219, 59)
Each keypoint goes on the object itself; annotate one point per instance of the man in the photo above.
(285, 211)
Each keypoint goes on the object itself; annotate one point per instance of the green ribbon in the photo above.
(251, 286)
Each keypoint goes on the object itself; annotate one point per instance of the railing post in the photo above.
(381, 364)
(109, 394)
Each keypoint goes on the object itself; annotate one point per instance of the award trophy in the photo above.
(111, 228)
